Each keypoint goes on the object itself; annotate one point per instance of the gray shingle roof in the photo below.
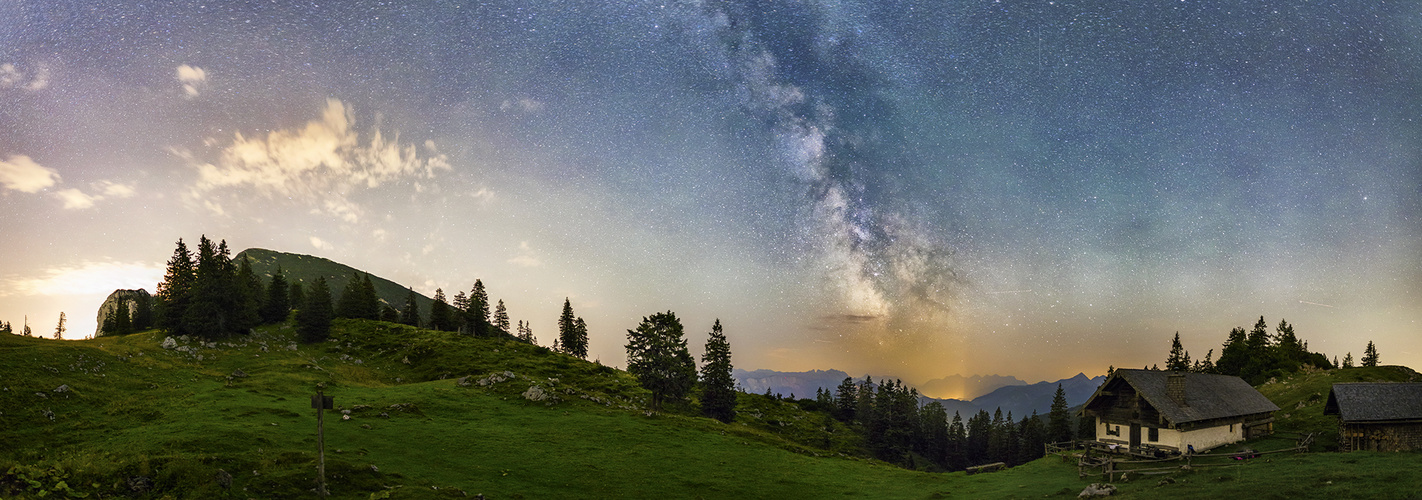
(1207, 396)
(1375, 401)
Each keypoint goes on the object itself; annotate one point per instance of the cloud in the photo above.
(193, 78)
(75, 199)
(324, 162)
(321, 245)
(525, 257)
(12, 77)
(87, 278)
(20, 173)
(112, 189)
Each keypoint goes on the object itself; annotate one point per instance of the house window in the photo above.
(1153, 435)
(1113, 431)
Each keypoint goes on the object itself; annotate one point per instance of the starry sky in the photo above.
(921, 189)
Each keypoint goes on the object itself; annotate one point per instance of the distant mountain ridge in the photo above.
(967, 387)
(1018, 398)
(304, 269)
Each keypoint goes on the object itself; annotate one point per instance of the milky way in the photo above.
(917, 188)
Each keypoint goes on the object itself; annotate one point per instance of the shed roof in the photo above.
(1207, 396)
(1375, 401)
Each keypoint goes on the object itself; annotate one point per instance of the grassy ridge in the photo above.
(423, 426)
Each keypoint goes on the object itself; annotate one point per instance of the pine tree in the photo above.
(580, 338)
(248, 306)
(1059, 420)
(718, 396)
(566, 326)
(501, 319)
(1348, 360)
(210, 314)
(1032, 438)
(370, 302)
(957, 456)
(297, 296)
(440, 314)
(1234, 355)
(460, 304)
(28, 332)
(1370, 355)
(657, 356)
(123, 323)
(845, 400)
(351, 304)
(1179, 360)
(278, 301)
(478, 313)
(142, 312)
(110, 324)
(174, 292)
(410, 315)
(59, 330)
(313, 319)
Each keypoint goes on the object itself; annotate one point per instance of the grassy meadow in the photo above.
(437, 415)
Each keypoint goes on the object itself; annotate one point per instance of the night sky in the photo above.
(917, 189)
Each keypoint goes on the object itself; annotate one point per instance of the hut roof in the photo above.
(1207, 396)
(1375, 401)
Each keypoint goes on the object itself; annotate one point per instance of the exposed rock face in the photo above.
(129, 298)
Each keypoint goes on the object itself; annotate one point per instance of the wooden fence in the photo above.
(1093, 459)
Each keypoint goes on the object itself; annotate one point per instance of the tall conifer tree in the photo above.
(1059, 420)
(718, 395)
(501, 319)
(175, 291)
(1370, 355)
(440, 317)
(278, 301)
(410, 315)
(657, 356)
(313, 319)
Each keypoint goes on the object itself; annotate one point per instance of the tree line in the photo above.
(898, 429)
(1257, 355)
(209, 295)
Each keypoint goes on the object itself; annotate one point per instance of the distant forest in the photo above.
(1257, 356)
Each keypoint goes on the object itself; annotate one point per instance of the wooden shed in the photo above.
(1377, 416)
(1174, 411)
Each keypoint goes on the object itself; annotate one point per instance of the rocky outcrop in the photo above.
(128, 298)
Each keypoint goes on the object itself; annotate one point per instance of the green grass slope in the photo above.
(432, 414)
(1301, 397)
(306, 268)
(437, 415)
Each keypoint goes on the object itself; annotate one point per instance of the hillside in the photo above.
(306, 268)
(437, 415)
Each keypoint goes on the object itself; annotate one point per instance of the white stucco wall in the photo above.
(1210, 437)
(1202, 439)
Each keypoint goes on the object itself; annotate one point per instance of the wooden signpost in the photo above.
(321, 403)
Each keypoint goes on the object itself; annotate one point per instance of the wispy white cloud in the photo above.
(12, 77)
(115, 190)
(86, 278)
(525, 257)
(193, 79)
(20, 173)
(324, 162)
(321, 245)
(75, 199)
